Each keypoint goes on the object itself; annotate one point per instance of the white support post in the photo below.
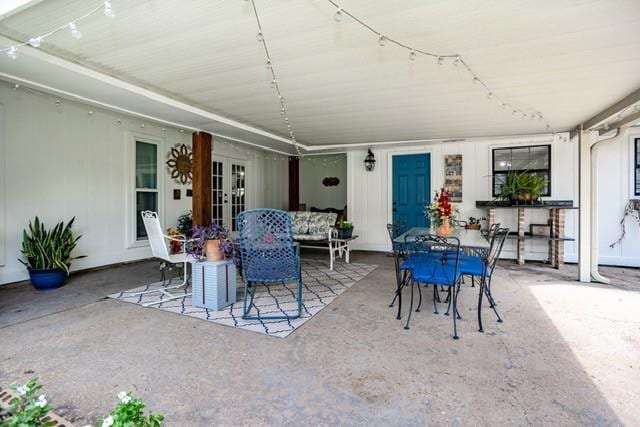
(584, 179)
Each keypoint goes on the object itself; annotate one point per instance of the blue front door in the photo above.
(411, 188)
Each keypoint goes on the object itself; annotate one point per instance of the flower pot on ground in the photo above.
(47, 253)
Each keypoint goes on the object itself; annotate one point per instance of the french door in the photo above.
(228, 185)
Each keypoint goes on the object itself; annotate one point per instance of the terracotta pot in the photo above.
(445, 228)
(212, 250)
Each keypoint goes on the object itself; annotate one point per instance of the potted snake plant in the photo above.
(47, 253)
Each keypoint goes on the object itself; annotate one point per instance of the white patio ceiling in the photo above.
(566, 59)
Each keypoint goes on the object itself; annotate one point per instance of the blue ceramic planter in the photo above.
(47, 279)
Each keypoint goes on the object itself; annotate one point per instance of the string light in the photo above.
(36, 41)
(274, 81)
(12, 52)
(75, 33)
(108, 10)
(440, 58)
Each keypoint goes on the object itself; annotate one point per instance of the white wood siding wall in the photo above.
(61, 162)
(369, 193)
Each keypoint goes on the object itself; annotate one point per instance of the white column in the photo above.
(584, 179)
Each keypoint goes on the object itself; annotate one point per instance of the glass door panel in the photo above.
(217, 196)
(237, 192)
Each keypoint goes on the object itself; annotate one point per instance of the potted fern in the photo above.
(47, 253)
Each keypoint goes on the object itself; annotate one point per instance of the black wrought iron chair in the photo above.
(434, 260)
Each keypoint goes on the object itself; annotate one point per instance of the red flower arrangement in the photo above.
(441, 207)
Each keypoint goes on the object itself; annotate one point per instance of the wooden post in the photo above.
(294, 183)
(201, 199)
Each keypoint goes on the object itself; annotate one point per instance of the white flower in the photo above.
(42, 401)
(124, 397)
(22, 389)
(107, 422)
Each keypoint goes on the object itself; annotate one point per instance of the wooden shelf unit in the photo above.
(557, 237)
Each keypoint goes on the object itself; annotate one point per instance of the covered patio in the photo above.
(319, 212)
(549, 363)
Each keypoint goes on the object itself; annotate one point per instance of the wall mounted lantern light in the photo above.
(370, 161)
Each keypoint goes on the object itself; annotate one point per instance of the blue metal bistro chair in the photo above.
(483, 267)
(434, 260)
(269, 255)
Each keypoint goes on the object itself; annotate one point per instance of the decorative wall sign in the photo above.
(176, 194)
(331, 181)
(453, 176)
(179, 163)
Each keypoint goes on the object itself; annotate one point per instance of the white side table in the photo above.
(339, 248)
(213, 284)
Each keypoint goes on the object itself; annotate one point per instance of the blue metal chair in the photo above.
(483, 267)
(269, 255)
(434, 260)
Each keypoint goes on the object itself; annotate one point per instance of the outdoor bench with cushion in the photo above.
(317, 230)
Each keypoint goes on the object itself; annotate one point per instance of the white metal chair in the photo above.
(158, 241)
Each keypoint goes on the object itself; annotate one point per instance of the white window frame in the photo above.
(132, 190)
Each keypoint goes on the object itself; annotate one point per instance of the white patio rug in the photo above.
(320, 287)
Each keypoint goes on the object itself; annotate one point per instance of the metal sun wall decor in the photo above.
(179, 163)
(453, 176)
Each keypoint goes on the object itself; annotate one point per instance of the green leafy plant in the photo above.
(344, 224)
(28, 409)
(45, 249)
(185, 224)
(522, 187)
(129, 412)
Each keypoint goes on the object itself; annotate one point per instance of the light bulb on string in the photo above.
(75, 33)
(440, 60)
(268, 64)
(475, 80)
(524, 115)
(413, 55)
(108, 10)
(338, 15)
(489, 95)
(382, 40)
(260, 37)
(12, 52)
(273, 83)
(35, 41)
(457, 61)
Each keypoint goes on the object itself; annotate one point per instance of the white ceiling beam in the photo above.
(618, 107)
(11, 7)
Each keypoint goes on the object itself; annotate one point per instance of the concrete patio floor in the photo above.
(567, 354)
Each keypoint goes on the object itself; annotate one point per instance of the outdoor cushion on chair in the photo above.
(436, 273)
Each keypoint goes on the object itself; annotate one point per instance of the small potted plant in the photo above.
(345, 229)
(474, 223)
(185, 224)
(47, 253)
(210, 242)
